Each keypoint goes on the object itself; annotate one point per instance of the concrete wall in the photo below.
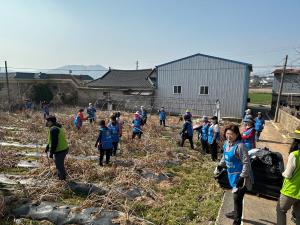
(287, 121)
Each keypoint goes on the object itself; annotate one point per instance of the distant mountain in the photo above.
(94, 71)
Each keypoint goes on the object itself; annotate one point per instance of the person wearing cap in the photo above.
(137, 124)
(248, 115)
(58, 146)
(290, 192)
(187, 132)
(203, 134)
(104, 142)
(144, 115)
(91, 111)
(259, 125)
(248, 135)
(162, 116)
(189, 114)
(213, 137)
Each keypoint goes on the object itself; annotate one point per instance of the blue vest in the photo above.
(211, 135)
(259, 124)
(91, 112)
(204, 132)
(162, 115)
(234, 165)
(77, 121)
(136, 125)
(106, 139)
(249, 143)
(114, 131)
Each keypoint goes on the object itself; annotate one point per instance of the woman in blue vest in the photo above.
(203, 135)
(162, 116)
(213, 138)
(236, 160)
(187, 132)
(104, 142)
(58, 146)
(91, 111)
(290, 192)
(248, 134)
(137, 124)
(259, 125)
(144, 115)
(115, 133)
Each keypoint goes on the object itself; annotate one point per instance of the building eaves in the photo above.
(287, 71)
(208, 56)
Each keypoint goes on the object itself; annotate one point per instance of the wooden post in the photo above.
(7, 85)
(280, 90)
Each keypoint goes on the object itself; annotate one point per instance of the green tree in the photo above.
(41, 92)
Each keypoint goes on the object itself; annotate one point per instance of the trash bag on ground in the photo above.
(267, 168)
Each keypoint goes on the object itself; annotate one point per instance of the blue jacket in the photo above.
(187, 129)
(162, 115)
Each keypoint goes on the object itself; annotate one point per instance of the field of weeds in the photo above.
(151, 179)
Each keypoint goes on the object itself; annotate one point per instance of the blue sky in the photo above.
(115, 33)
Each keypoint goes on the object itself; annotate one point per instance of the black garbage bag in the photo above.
(222, 178)
(267, 167)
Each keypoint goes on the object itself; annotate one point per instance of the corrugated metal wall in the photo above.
(227, 81)
(291, 83)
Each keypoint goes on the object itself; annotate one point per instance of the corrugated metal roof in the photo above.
(124, 79)
(288, 71)
(209, 56)
(20, 75)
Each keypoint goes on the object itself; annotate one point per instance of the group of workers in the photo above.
(235, 156)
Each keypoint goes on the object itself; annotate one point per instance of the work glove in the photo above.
(47, 149)
(220, 167)
(51, 155)
(240, 182)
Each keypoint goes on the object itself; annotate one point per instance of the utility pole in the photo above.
(7, 84)
(280, 89)
(137, 64)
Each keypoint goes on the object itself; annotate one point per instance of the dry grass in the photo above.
(146, 154)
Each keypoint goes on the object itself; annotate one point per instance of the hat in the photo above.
(204, 118)
(248, 110)
(214, 118)
(90, 104)
(187, 110)
(259, 113)
(51, 118)
(137, 113)
(295, 134)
